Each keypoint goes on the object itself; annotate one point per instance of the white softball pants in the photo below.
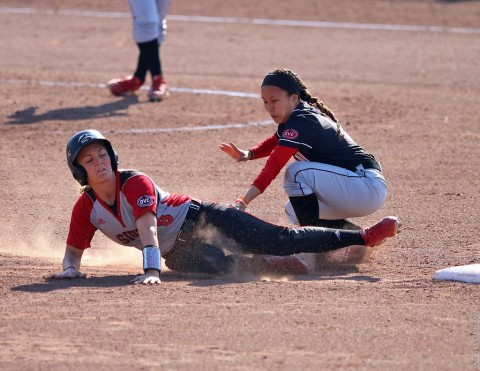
(341, 193)
(149, 19)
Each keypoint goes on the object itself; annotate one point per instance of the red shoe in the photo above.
(378, 233)
(290, 264)
(159, 89)
(124, 86)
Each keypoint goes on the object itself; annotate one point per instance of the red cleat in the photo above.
(378, 233)
(159, 89)
(124, 86)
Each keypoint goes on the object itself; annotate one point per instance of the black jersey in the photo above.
(319, 139)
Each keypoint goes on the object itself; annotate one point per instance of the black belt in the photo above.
(192, 215)
(193, 210)
(370, 164)
(186, 231)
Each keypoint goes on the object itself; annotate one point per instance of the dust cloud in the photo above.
(43, 242)
(40, 243)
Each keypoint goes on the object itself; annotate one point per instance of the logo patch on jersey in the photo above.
(101, 221)
(290, 134)
(144, 201)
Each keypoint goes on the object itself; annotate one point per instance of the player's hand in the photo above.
(241, 203)
(69, 273)
(234, 152)
(150, 278)
(240, 206)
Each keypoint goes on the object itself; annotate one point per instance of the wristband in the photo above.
(151, 258)
(250, 155)
(243, 200)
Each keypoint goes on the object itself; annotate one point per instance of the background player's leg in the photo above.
(142, 67)
(149, 57)
(162, 9)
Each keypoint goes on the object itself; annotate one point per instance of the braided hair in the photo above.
(305, 95)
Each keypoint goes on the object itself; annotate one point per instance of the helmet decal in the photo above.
(84, 138)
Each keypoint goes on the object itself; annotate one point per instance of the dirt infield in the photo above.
(408, 95)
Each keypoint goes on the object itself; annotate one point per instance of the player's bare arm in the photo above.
(242, 202)
(71, 264)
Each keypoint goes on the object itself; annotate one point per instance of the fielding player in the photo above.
(332, 179)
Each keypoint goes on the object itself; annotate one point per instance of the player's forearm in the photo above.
(72, 258)
(277, 160)
(252, 193)
(147, 229)
(264, 148)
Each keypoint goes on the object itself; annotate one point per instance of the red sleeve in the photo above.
(176, 199)
(264, 148)
(81, 229)
(141, 194)
(277, 160)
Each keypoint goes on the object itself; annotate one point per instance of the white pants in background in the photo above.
(149, 19)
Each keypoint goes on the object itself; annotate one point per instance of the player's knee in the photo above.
(202, 258)
(291, 172)
(213, 260)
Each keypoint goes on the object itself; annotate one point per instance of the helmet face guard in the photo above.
(79, 141)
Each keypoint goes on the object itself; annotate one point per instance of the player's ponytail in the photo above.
(290, 82)
(314, 101)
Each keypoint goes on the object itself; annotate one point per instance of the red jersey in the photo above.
(136, 194)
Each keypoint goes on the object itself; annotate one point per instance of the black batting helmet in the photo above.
(80, 141)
